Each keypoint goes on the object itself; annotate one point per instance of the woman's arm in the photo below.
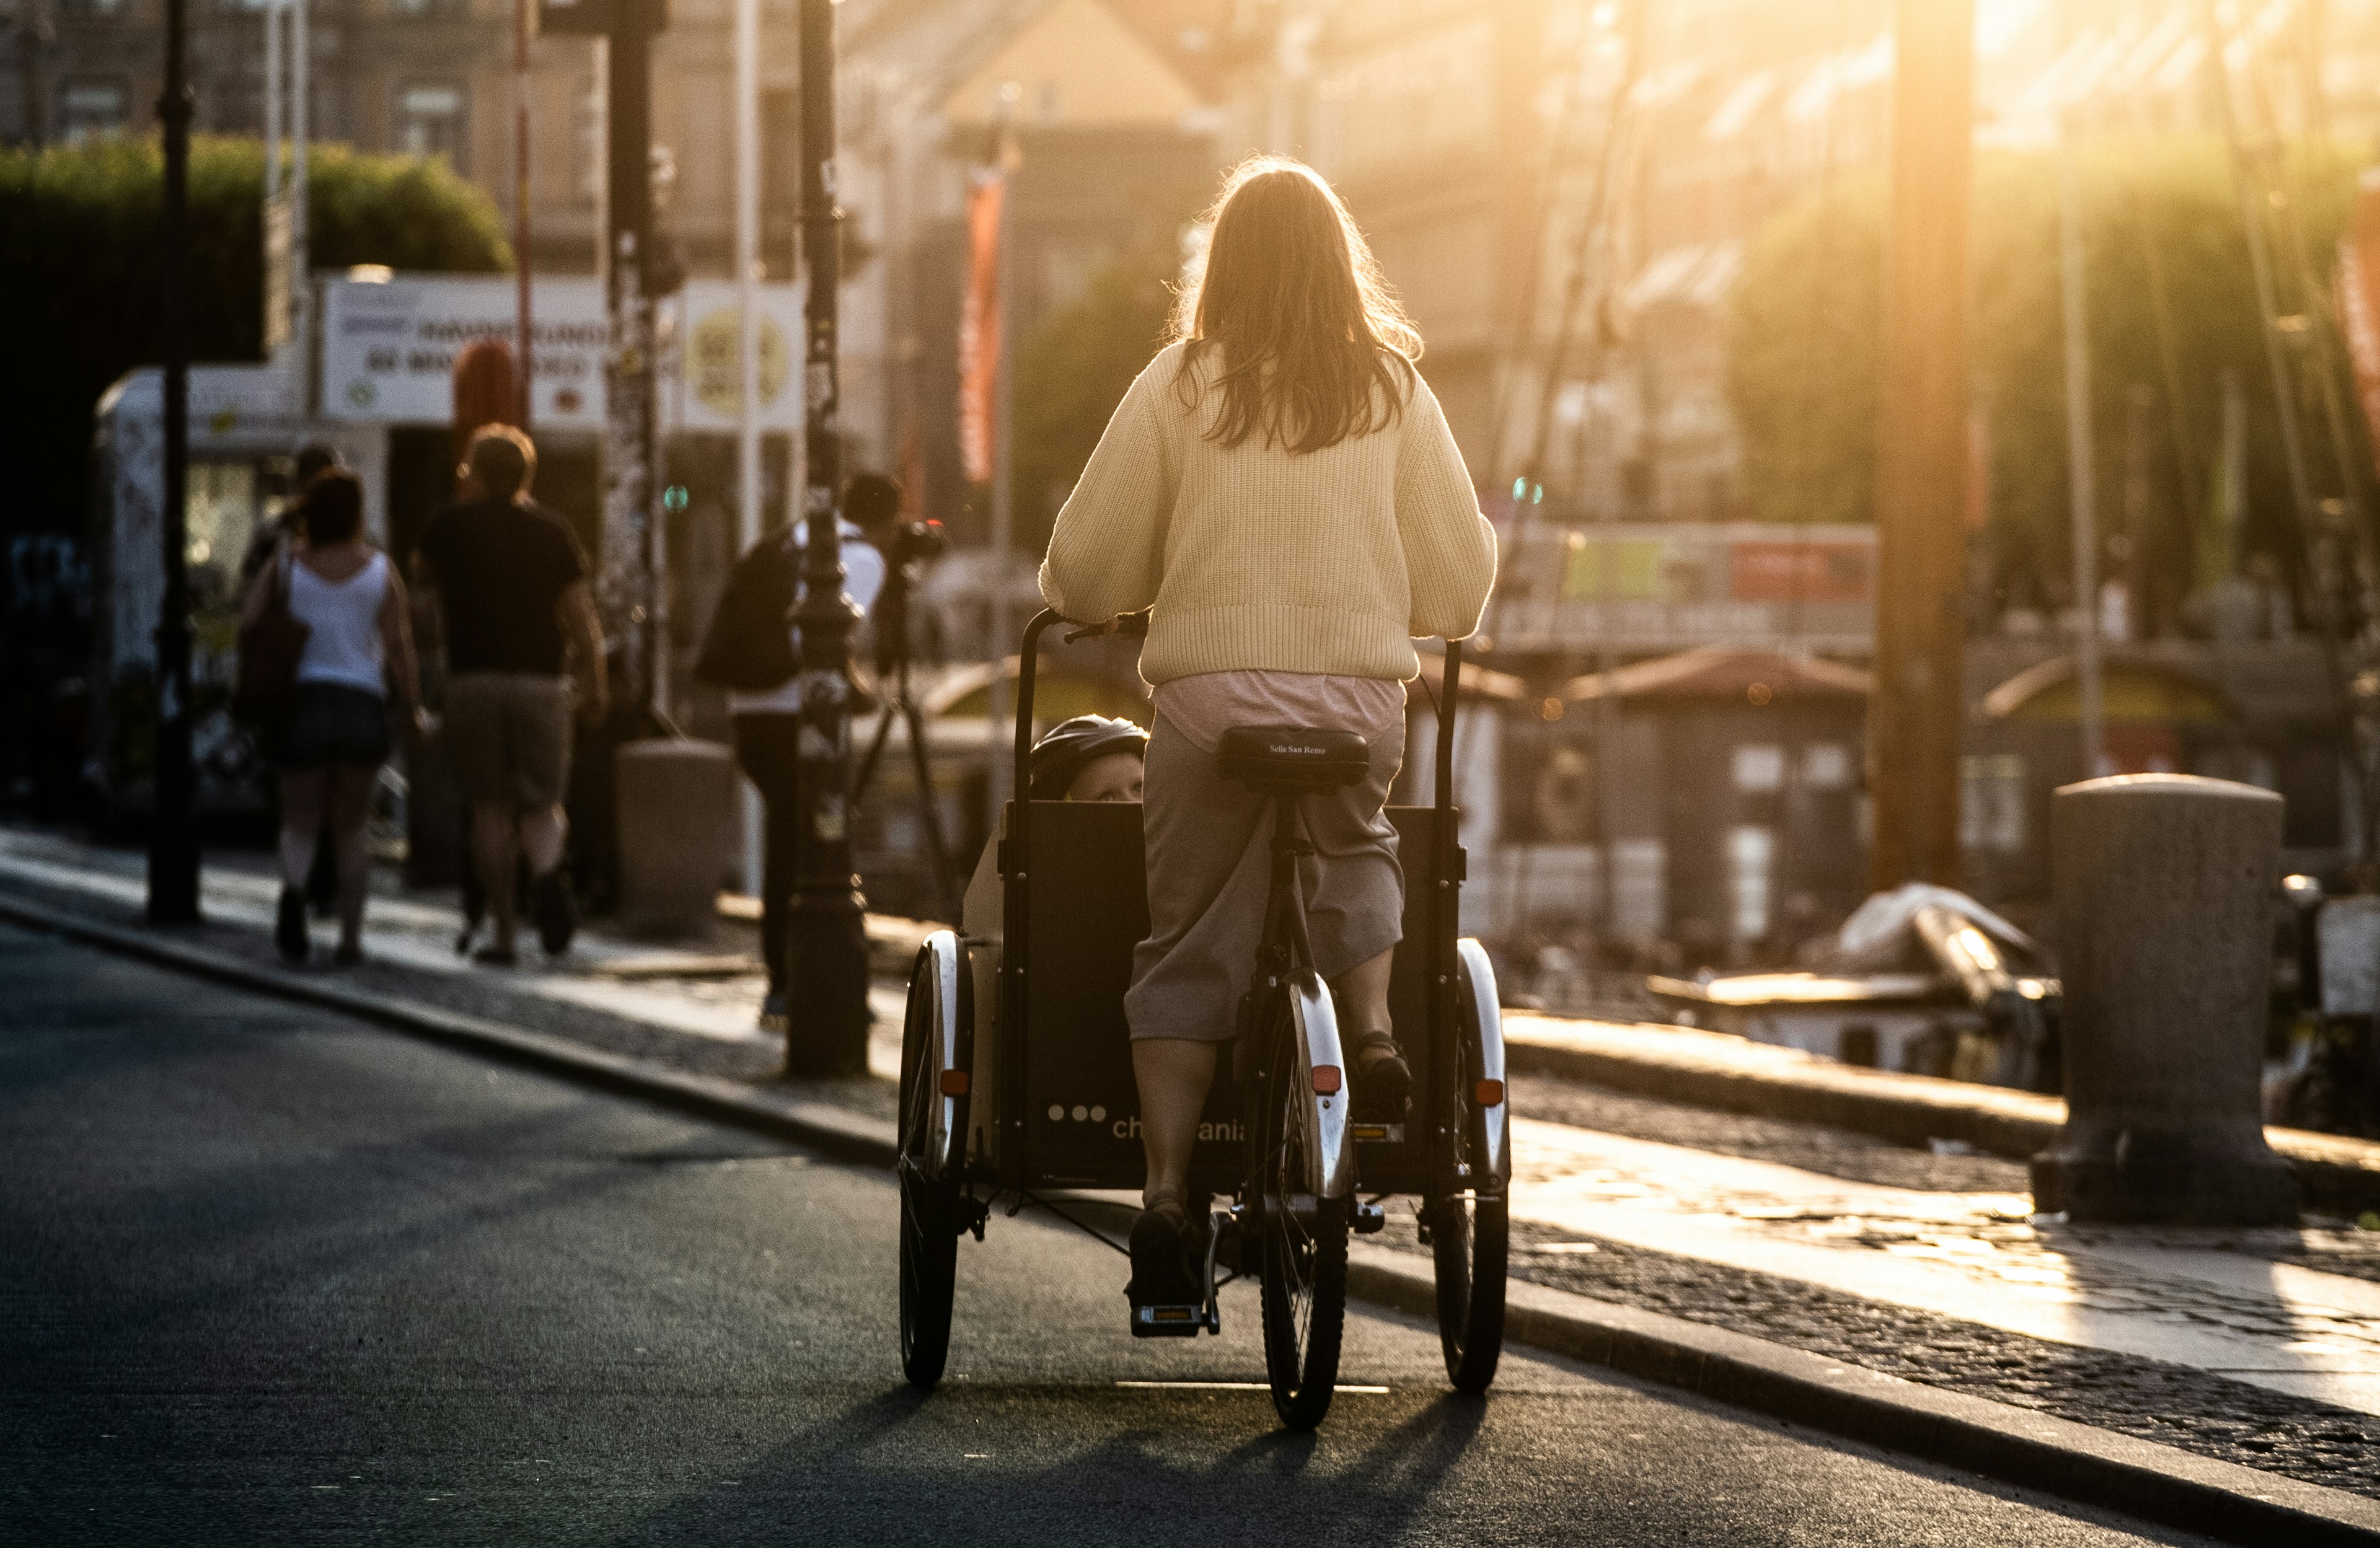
(1107, 552)
(1450, 548)
(259, 589)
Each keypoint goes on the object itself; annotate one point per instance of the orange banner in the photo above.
(2358, 297)
(979, 330)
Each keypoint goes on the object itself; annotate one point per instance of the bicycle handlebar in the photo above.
(1124, 625)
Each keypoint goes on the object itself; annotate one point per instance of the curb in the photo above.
(2078, 1462)
(1732, 1074)
(834, 1132)
(2072, 1461)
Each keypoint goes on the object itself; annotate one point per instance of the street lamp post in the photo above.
(826, 944)
(172, 847)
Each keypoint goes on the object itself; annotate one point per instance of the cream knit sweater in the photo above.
(1255, 557)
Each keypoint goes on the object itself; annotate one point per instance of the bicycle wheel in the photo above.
(929, 1242)
(1303, 1242)
(1469, 1219)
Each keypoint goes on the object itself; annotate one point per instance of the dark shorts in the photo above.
(509, 735)
(331, 722)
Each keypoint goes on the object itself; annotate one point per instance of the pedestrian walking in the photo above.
(357, 654)
(513, 603)
(755, 653)
(315, 460)
(1279, 488)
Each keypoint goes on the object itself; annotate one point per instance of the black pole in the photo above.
(629, 452)
(172, 847)
(825, 935)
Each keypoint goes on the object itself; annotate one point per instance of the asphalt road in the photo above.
(266, 1276)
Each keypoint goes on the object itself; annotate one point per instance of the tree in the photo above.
(78, 230)
(1804, 348)
(1070, 376)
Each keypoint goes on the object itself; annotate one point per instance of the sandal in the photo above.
(1383, 1080)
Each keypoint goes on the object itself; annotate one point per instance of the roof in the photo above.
(2131, 688)
(1073, 62)
(1718, 672)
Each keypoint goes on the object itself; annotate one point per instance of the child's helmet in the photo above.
(1071, 746)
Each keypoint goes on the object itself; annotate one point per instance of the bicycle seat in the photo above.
(1293, 761)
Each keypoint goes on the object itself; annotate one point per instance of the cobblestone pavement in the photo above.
(1834, 1243)
(1829, 1152)
(2157, 1401)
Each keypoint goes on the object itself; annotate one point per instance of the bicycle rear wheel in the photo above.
(1469, 1219)
(929, 1242)
(1303, 1240)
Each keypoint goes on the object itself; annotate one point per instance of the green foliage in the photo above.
(1805, 341)
(1069, 376)
(78, 233)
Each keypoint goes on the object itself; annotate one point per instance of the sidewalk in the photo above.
(2257, 1348)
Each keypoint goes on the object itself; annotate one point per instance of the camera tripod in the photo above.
(893, 662)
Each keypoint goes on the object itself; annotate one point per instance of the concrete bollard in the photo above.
(676, 802)
(2164, 886)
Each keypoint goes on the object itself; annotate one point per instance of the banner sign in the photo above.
(702, 381)
(1675, 585)
(979, 330)
(389, 349)
(2359, 296)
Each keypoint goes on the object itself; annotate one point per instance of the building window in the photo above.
(1991, 804)
(1760, 768)
(1750, 854)
(429, 122)
(90, 109)
(1826, 766)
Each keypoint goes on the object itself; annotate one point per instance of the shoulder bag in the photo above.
(269, 645)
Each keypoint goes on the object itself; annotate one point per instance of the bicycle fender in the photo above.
(1332, 1168)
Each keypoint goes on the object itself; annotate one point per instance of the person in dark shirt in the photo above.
(512, 593)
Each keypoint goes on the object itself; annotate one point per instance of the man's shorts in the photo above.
(509, 735)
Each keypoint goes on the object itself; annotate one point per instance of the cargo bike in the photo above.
(1017, 1089)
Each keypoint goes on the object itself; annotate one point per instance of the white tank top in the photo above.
(345, 645)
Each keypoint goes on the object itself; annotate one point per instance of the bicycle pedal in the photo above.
(1167, 1321)
(1370, 1219)
(1377, 1133)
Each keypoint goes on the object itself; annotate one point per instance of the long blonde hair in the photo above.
(1306, 326)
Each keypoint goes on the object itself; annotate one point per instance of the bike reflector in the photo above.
(1326, 1079)
(1489, 1093)
(955, 1082)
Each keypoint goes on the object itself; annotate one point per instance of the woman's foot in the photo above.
(348, 954)
(289, 927)
(1161, 1260)
(1383, 1079)
(494, 956)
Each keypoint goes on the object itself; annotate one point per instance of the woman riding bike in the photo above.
(1281, 488)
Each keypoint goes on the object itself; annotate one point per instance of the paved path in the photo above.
(273, 1277)
(2282, 1310)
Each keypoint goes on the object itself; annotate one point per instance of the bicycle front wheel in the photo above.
(1304, 1242)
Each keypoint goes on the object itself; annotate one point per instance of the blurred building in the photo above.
(434, 78)
(1568, 231)
(1101, 112)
